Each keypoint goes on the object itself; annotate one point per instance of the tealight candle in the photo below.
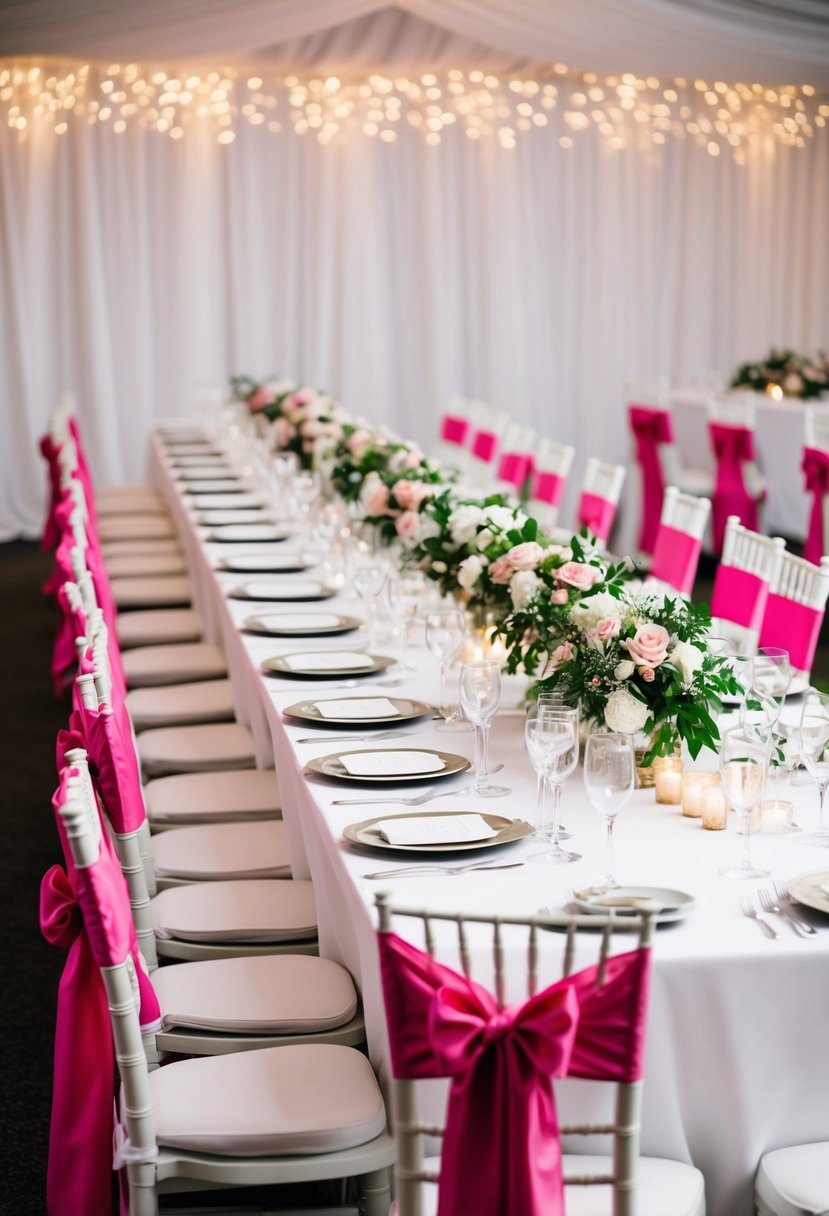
(714, 808)
(667, 779)
(775, 816)
(693, 786)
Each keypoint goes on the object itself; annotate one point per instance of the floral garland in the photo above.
(793, 374)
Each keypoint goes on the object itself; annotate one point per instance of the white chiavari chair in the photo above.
(552, 468)
(795, 609)
(678, 542)
(749, 565)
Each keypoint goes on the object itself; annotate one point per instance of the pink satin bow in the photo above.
(651, 428)
(597, 514)
(733, 447)
(815, 468)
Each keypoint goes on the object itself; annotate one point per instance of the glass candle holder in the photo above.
(775, 816)
(693, 787)
(713, 807)
(667, 779)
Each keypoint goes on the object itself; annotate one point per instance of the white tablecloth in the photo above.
(737, 1060)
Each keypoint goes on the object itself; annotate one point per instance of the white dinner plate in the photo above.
(624, 901)
(266, 563)
(231, 534)
(225, 517)
(367, 835)
(811, 890)
(277, 592)
(306, 625)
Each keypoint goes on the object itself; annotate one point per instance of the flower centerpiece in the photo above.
(636, 663)
(783, 373)
(262, 397)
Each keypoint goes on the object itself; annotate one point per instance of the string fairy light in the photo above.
(625, 110)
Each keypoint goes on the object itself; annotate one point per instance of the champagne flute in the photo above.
(534, 742)
(744, 758)
(608, 780)
(558, 734)
(480, 695)
(814, 754)
(403, 597)
(445, 635)
(770, 677)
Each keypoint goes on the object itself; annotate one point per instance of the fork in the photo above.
(418, 801)
(405, 871)
(386, 734)
(769, 904)
(748, 909)
(792, 908)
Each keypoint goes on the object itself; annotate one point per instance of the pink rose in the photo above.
(561, 654)
(526, 556)
(649, 646)
(311, 429)
(501, 570)
(376, 501)
(647, 674)
(283, 432)
(413, 459)
(560, 596)
(578, 575)
(404, 493)
(358, 442)
(408, 525)
(607, 628)
(262, 397)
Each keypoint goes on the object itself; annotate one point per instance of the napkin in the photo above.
(281, 591)
(390, 763)
(436, 829)
(327, 660)
(313, 620)
(360, 707)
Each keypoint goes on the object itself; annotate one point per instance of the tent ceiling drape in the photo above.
(773, 41)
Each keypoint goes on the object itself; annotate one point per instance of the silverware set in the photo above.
(420, 799)
(415, 870)
(780, 904)
(386, 734)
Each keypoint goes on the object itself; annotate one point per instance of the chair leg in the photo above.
(375, 1193)
(143, 1194)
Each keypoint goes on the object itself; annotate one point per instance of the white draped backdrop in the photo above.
(137, 269)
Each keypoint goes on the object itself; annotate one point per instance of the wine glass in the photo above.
(557, 733)
(403, 594)
(368, 574)
(744, 758)
(480, 695)
(445, 636)
(814, 754)
(608, 780)
(307, 487)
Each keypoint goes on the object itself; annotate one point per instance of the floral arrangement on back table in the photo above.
(638, 663)
(796, 375)
(304, 419)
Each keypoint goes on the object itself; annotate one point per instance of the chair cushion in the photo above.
(115, 548)
(158, 627)
(213, 797)
(122, 491)
(281, 1101)
(207, 852)
(795, 1181)
(134, 502)
(165, 591)
(135, 527)
(151, 665)
(145, 565)
(181, 704)
(196, 749)
(262, 994)
(255, 910)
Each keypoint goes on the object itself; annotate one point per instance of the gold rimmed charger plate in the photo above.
(220, 517)
(278, 665)
(332, 766)
(806, 889)
(227, 485)
(306, 711)
(284, 594)
(256, 624)
(267, 563)
(255, 532)
(367, 835)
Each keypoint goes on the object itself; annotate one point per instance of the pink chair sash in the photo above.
(515, 467)
(816, 474)
(455, 430)
(793, 626)
(675, 558)
(485, 445)
(549, 488)
(51, 530)
(650, 428)
(739, 597)
(501, 1150)
(597, 514)
(733, 446)
(105, 736)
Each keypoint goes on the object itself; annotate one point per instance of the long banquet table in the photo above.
(737, 1058)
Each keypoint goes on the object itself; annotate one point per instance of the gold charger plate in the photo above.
(283, 594)
(806, 889)
(277, 665)
(266, 563)
(255, 624)
(247, 533)
(332, 766)
(367, 835)
(209, 472)
(306, 711)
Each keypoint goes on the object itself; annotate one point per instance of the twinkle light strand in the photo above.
(625, 110)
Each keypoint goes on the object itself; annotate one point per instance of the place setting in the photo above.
(193, 491)
(357, 711)
(220, 502)
(204, 473)
(323, 664)
(275, 591)
(243, 516)
(292, 625)
(266, 563)
(230, 533)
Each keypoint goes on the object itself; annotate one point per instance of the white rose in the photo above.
(523, 586)
(587, 613)
(687, 659)
(469, 571)
(625, 713)
(439, 567)
(562, 551)
(484, 539)
(624, 670)
(505, 518)
(464, 523)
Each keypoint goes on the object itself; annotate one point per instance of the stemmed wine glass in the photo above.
(480, 695)
(769, 676)
(307, 487)
(744, 758)
(557, 735)
(403, 597)
(445, 635)
(608, 780)
(369, 574)
(814, 753)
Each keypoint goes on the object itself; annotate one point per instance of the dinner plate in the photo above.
(364, 665)
(807, 889)
(208, 472)
(186, 454)
(266, 563)
(332, 766)
(232, 485)
(292, 626)
(277, 593)
(407, 709)
(235, 501)
(241, 515)
(673, 904)
(234, 534)
(367, 835)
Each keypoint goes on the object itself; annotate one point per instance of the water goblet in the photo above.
(480, 695)
(608, 780)
(744, 759)
(557, 734)
(814, 755)
(445, 635)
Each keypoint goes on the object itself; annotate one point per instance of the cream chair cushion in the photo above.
(795, 1181)
(116, 548)
(145, 565)
(131, 502)
(262, 994)
(213, 797)
(135, 527)
(165, 591)
(151, 665)
(181, 704)
(281, 1101)
(208, 852)
(195, 749)
(255, 910)
(158, 627)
